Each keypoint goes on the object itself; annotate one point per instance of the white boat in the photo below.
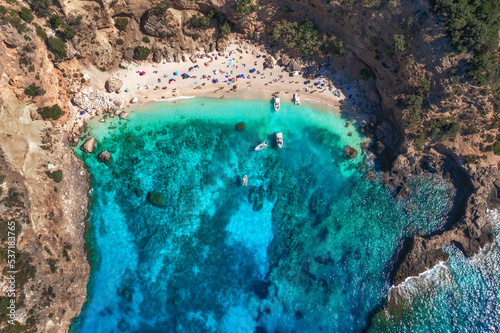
(296, 99)
(245, 180)
(261, 146)
(276, 103)
(279, 139)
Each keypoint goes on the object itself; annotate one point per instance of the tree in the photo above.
(53, 112)
(33, 91)
(225, 29)
(400, 43)
(200, 22)
(57, 47)
(141, 52)
(121, 23)
(26, 15)
(68, 31)
(56, 21)
(41, 7)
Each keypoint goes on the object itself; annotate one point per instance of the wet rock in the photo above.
(123, 326)
(123, 115)
(104, 156)
(113, 84)
(371, 175)
(403, 192)
(379, 148)
(156, 199)
(350, 152)
(89, 145)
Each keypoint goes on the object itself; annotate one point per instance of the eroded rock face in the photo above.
(167, 26)
(89, 145)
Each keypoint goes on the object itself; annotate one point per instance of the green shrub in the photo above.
(246, 7)
(121, 23)
(56, 21)
(33, 90)
(305, 38)
(225, 29)
(146, 39)
(40, 32)
(425, 84)
(400, 43)
(26, 15)
(471, 159)
(141, 52)
(199, 22)
(41, 7)
(68, 31)
(57, 47)
(53, 112)
(161, 8)
(55, 175)
(414, 104)
(365, 73)
(3, 11)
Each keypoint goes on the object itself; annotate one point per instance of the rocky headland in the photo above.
(425, 113)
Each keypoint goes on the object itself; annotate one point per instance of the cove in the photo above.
(305, 247)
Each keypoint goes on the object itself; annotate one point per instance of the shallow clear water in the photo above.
(305, 247)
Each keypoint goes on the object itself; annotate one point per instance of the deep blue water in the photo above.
(305, 247)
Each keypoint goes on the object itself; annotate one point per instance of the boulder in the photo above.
(113, 84)
(128, 55)
(403, 192)
(123, 65)
(89, 145)
(294, 66)
(104, 156)
(134, 100)
(123, 115)
(156, 199)
(350, 152)
(221, 45)
(193, 59)
(270, 62)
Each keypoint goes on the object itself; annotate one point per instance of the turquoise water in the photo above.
(305, 247)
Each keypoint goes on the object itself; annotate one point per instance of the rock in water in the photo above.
(105, 156)
(241, 126)
(350, 152)
(123, 115)
(403, 193)
(156, 199)
(89, 145)
(113, 84)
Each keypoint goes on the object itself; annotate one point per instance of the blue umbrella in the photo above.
(175, 73)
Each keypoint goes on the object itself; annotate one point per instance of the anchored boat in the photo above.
(296, 99)
(276, 103)
(261, 146)
(245, 180)
(279, 139)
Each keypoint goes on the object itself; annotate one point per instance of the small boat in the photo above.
(279, 139)
(276, 103)
(261, 146)
(245, 180)
(296, 99)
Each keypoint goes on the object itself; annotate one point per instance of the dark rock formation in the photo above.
(350, 152)
(466, 227)
(157, 26)
(241, 126)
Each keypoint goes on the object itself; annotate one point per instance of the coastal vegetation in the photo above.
(57, 46)
(54, 112)
(141, 52)
(56, 21)
(33, 91)
(55, 175)
(200, 22)
(121, 23)
(305, 38)
(246, 6)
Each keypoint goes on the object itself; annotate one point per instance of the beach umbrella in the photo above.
(142, 73)
(83, 112)
(216, 80)
(207, 64)
(176, 73)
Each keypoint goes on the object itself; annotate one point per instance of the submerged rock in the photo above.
(241, 126)
(89, 145)
(403, 192)
(123, 115)
(105, 156)
(156, 199)
(350, 152)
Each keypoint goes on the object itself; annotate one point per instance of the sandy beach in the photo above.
(238, 72)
